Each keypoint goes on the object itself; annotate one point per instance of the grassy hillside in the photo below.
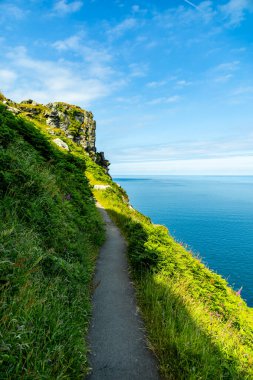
(50, 233)
(197, 325)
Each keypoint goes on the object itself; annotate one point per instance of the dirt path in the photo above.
(116, 337)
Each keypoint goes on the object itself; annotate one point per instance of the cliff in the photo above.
(62, 120)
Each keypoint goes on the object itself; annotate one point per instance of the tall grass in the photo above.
(50, 232)
(197, 325)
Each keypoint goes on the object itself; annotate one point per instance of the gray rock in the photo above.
(101, 160)
(101, 187)
(79, 117)
(61, 144)
(13, 110)
(63, 116)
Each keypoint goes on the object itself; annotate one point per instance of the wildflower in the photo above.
(238, 293)
(68, 197)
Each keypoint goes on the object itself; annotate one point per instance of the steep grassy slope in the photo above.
(197, 325)
(50, 232)
(49, 235)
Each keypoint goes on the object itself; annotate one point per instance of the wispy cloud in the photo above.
(53, 80)
(234, 11)
(12, 11)
(7, 79)
(137, 9)
(223, 78)
(138, 70)
(70, 43)
(165, 100)
(228, 66)
(183, 150)
(63, 7)
(242, 90)
(224, 72)
(97, 58)
(203, 13)
(156, 84)
(212, 166)
(183, 83)
(240, 95)
(121, 28)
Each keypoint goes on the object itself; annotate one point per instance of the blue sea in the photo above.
(212, 215)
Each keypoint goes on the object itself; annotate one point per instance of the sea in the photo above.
(211, 215)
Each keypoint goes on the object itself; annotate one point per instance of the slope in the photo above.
(50, 232)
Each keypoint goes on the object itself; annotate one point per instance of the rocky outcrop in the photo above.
(101, 160)
(76, 123)
(14, 110)
(61, 144)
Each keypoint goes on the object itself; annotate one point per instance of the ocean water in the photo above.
(212, 215)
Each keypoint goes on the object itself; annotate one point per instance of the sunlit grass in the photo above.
(198, 327)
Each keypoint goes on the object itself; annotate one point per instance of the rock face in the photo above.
(76, 123)
(101, 160)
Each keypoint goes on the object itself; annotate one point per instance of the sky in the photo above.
(170, 83)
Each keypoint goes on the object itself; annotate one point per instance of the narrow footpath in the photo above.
(116, 336)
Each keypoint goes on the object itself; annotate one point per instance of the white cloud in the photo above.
(232, 155)
(7, 79)
(123, 27)
(45, 80)
(234, 11)
(212, 166)
(7, 75)
(223, 78)
(243, 90)
(241, 95)
(165, 100)
(135, 8)
(186, 15)
(10, 10)
(224, 72)
(228, 66)
(183, 83)
(77, 44)
(62, 7)
(71, 43)
(156, 84)
(187, 150)
(138, 70)
(97, 58)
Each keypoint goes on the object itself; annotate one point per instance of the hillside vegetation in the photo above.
(50, 233)
(197, 325)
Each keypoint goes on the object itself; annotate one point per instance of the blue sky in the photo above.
(170, 83)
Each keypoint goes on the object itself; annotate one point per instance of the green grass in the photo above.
(50, 232)
(198, 327)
